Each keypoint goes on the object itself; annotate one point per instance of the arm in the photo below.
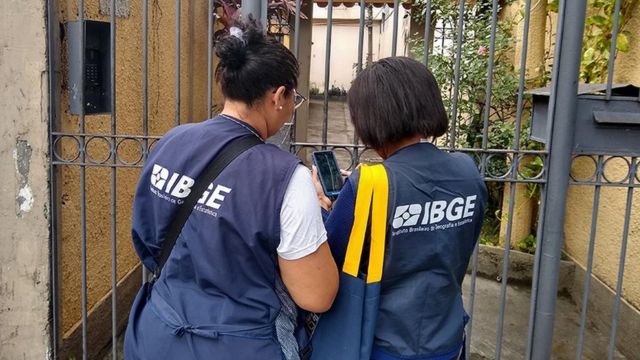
(312, 281)
(306, 265)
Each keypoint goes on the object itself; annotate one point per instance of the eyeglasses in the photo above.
(298, 100)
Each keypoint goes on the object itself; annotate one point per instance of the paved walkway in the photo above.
(339, 131)
(514, 342)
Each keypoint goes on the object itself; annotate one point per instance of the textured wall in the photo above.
(612, 200)
(24, 175)
(162, 104)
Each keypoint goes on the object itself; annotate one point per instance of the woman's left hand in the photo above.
(324, 201)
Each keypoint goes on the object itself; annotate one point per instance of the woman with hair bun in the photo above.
(252, 255)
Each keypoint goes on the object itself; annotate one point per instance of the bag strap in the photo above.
(210, 173)
(378, 223)
(373, 192)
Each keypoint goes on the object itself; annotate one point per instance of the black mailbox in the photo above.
(609, 126)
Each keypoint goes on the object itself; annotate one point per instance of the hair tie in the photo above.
(237, 32)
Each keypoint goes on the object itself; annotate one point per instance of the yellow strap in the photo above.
(378, 223)
(361, 216)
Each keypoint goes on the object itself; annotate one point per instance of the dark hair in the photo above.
(393, 99)
(251, 63)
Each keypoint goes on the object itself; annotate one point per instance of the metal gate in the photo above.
(96, 156)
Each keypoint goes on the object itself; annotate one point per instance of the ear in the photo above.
(279, 97)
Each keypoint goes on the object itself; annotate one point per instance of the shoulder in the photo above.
(462, 157)
(282, 163)
(278, 153)
(176, 136)
(181, 130)
(464, 162)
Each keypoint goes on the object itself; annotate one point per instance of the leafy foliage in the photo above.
(598, 34)
(472, 93)
(474, 62)
(528, 244)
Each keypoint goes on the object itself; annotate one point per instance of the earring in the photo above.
(279, 107)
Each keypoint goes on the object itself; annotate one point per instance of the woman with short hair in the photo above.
(254, 248)
(436, 205)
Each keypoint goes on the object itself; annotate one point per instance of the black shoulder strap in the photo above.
(210, 173)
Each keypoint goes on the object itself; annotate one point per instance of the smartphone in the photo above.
(328, 172)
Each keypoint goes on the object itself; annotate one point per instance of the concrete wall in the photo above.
(344, 53)
(344, 43)
(609, 232)
(162, 100)
(304, 58)
(612, 201)
(24, 175)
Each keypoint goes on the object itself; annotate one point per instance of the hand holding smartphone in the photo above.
(329, 172)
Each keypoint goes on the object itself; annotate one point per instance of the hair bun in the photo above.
(245, 33)
(232, 52)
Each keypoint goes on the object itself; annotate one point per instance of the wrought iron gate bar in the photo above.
(394, 34)
(456, 81)
(296, 35)
(589, 268)
(114, 217)
(623, 256)
(427, 33)
(83, 201)
(178, 35)
(516, 162)
(210, 17)
(327, 67)
(612, 49)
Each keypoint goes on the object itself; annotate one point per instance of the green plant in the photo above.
(337, 91)
(597, 38)
(314, 90)
(472, 93)
(528, 244)
(490, 232)
(531, 170)
(474, 62)
(598, 33)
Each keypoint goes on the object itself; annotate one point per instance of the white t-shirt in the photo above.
(301, 228)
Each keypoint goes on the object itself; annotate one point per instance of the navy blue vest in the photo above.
(437, 202)
(216, 296)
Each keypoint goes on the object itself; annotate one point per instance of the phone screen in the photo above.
(329, 172)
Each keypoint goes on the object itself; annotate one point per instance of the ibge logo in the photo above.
(407, 215)
(174, 187)
(434, 212)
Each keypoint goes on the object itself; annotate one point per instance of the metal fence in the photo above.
(499, 166)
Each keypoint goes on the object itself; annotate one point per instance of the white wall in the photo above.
(344, 43)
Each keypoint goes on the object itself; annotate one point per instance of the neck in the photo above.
(250, 115)
(388, 150)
